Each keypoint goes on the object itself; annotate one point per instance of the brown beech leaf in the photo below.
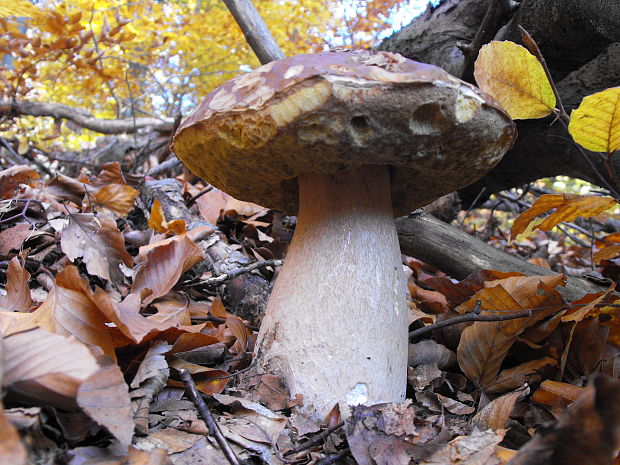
(556, 396)
(215, 201)
(12, 177)
(238, 329)
(104, 396)
(65, 188)
(211, 381)
(13, 238)
(382, 434)
(118, 199)
(126, 316)
(11, 448)
(18, 298)
(69, 310)
(47, 367)
(484, 345)
(110, 173)
(529, 372)
(495, 414)
(98, 241)
(587, 432)
(566, 207)
(438, 403)
(162, 264)
(479, 448)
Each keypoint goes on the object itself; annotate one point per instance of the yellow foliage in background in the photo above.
(124, 59)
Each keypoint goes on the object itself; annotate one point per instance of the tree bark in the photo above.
(458, 254)
(245, 295)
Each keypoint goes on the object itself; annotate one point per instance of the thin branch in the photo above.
(472, 316)
(222, 278)
(214, 430)
(83, 118)
(255, 30)
(192, 201)
(315, 440)
(496, 10)
(335, 458)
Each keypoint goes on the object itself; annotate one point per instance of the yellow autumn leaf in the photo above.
(567, 207)
(18, 8)
(595, 125)
(515, 78)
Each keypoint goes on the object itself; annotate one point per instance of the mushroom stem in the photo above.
(336, 323)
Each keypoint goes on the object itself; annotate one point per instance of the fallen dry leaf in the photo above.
(13, 238)
(47, 367)
(476, 449)
(97, 240)
(556, 396)
(587, 432)
(117, 199)
(12, 177)
(17, 298)
(495, 414)
(484, 345)
(12, 451)
(104, 396)
(162, 264)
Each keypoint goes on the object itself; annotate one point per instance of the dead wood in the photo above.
(458, 254)
(244, 295)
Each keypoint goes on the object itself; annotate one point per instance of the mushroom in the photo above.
(352, 138)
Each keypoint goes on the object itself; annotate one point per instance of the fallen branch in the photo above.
(83, 118)
(214, 430)
(458, 254)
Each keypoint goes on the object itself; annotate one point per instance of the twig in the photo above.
(471, 316)
(15, 158)
(169, 164)
(531, 44)
(315, 440)
(214, 430)
(255, 30)
(334, 458)
(492, 19)
(236, 373)
(575, 239)
(217, 319)
(222, 278)
(192, 201)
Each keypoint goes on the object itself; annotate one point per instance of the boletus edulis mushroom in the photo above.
(351, 138)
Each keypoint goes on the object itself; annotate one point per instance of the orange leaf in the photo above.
(11, 178)
(567, 208)
(606, 253)
(115, 198)
(163, 263)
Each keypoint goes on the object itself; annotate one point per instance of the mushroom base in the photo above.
(335, 328)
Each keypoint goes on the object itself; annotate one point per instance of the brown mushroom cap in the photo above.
(332, 112)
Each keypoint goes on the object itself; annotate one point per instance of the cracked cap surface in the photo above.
(331, 112)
